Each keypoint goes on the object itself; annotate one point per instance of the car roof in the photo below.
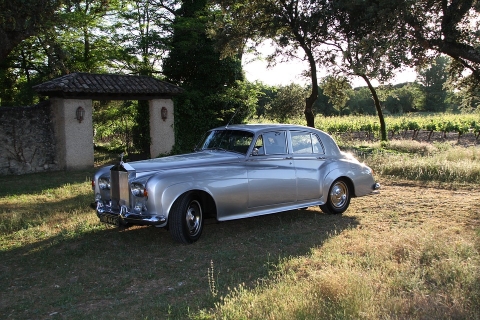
(331, 147)
(265, 126)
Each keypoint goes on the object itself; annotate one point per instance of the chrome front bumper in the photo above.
(122, 216)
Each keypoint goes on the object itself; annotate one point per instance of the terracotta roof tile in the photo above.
(106, 84)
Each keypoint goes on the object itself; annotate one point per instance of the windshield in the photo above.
(227, 140)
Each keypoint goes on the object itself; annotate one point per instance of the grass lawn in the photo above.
(411, 252)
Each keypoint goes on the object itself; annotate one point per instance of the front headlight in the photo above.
(104, 183)
(138, 190)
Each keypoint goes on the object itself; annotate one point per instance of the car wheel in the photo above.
(338, 198)
(186, 219)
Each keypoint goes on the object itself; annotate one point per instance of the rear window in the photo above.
(306, 143)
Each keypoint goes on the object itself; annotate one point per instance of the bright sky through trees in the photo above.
(285, 73)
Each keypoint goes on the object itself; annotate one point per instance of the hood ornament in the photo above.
(121, 157)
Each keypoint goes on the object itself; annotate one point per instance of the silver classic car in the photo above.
(236, 172)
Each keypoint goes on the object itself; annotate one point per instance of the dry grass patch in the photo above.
(414, 254)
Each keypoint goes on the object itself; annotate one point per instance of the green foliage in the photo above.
(113, 124)
(21, 19)
(338, 90)
(433, 79)
(288, 103)
(466, 88)
(78, 42)
(141, 30)
(141, 129)
(265, 97)
(214, 88)
(323, 105)
(360, 102)
(404, 98)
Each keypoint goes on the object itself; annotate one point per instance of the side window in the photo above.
(301, 142)
(306, 143)
(274, 142)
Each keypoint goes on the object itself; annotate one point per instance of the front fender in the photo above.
(227, 186)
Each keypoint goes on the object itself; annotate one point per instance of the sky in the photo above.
(286, 73)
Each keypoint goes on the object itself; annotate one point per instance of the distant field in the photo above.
(439, 125)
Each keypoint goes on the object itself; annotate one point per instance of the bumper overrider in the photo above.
(122, 216)
(376, 188)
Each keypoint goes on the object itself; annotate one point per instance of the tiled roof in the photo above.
(111, 85)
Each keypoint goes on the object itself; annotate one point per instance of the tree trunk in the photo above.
(383, 127)
(309, 116)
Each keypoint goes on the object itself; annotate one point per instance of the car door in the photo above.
(308, 155)
(271, 172)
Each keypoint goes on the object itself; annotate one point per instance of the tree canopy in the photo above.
(21, 19)
(199, 46)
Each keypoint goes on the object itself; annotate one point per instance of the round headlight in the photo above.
(138, 190)
(104, 183)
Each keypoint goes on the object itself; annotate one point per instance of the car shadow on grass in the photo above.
(96, 271)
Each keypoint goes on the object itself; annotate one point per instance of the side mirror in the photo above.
(255, 152)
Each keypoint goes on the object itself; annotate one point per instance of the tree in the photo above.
(360, 45)
(143, 29)
(293, 25)
(323, 105)
(287, 104)
(433, 79)
(450, 27)
(213, 86)
(405, 97)
(464, 92)
(20, 20)
(78, 42)
(338, 90)
(360, 101)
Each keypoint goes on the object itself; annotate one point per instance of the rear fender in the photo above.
(333, 175)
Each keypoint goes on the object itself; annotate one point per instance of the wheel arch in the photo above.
(206, 200)
(335, 175)
(208, 203)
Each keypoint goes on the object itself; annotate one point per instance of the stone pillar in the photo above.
(74, 139)
(161, 131)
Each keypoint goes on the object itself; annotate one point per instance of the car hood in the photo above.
(196, 159)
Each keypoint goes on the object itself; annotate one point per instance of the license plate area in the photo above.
(113, 220)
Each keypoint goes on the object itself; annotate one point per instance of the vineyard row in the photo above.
(450, 123)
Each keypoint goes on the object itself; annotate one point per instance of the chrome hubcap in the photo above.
(194, 218)
(339, 194)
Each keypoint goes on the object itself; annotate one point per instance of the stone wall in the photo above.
(27, 141)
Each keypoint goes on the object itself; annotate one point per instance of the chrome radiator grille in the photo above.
(119, 189)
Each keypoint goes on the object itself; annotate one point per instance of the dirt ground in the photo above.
(414, 202)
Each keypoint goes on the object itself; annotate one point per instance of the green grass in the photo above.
(410, 252)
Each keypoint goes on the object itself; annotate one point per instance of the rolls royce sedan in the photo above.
(237, 171)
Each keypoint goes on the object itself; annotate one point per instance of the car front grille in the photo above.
(119, 191)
